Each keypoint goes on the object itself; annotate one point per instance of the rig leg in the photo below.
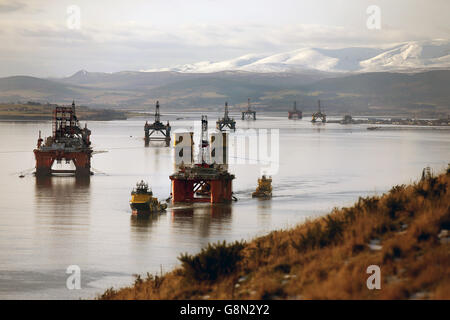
(44, 162)
(82, 164)
(83, 172)
(147, 137)
(182, 191)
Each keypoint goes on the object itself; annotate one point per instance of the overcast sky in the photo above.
(39, 37)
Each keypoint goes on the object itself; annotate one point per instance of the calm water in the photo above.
(47, 225)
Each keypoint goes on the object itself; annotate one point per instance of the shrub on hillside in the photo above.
(213, 261)
(318, 237)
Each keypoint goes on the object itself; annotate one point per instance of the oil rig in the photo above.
(319, 115)
(295, 114)
(155, 127)
(208, 180)
(248, 114)
(68, 142)
(226, 121)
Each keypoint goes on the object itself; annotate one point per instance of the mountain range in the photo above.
(405, 57)
(407, 79)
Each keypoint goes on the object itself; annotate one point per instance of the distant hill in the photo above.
(383, 92)
(36, 87)
(135, 79)
(376, 93)
(132, 89)
(32, 111)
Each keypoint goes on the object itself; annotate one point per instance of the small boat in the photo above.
(264, 188)
(142, 201)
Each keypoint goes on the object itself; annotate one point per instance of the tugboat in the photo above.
(142, 201)
(264, 189)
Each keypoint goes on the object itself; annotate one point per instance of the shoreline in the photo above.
(49, 118)
(40, 112)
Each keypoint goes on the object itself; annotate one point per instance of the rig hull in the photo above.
(220, 189)
(45, 160)
(295, 115)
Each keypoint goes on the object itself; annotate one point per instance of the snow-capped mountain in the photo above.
(411, 55)
(404, 57)
(207, 66)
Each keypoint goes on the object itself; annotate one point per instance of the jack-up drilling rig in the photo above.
(319, 115)
(226, 121)
(248, 114)
(68, 142)
(295, 114)
(155, 127)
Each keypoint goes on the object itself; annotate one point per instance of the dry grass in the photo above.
(327, 258)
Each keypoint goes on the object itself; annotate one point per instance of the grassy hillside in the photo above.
(405, 232)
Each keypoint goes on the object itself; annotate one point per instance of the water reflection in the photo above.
(201, 219)
(264, 216)
(62, 193)
(62, 220)
(221, 213)
(62, 200)
(143, 228)
(143, 223)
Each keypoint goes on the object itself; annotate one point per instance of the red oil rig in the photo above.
(155, 127)
(68, 142)
(209, 179)
(295, 114)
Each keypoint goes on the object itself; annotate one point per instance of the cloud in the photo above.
(10, 6)
(136, 39)
(53, 49)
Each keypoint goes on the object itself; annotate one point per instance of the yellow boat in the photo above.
(142, 200)
(264, 188)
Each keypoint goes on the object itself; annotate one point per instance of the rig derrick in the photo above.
(152, 129)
